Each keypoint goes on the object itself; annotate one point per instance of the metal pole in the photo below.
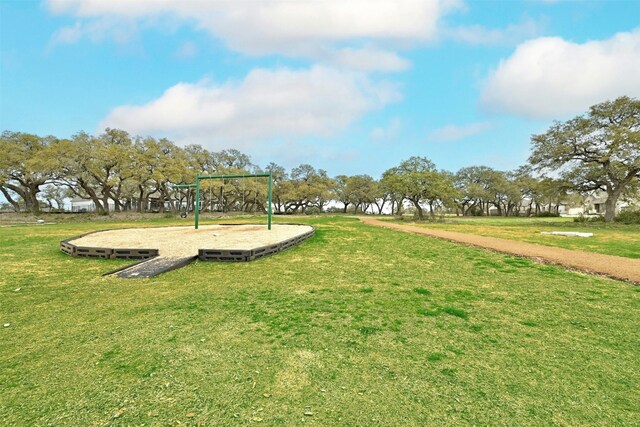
(250, 175)
(223, 177)
(269, 200)
(197, 199)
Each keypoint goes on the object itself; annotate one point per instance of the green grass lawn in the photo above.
(358, 326)
(612, 239)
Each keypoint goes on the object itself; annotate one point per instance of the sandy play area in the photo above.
(185, 241)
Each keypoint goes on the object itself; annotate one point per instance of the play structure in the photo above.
(199, 178)
(161, 249)
(158, 250)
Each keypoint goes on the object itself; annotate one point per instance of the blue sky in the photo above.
(350, 86)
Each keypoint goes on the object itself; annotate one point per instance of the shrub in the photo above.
(547, 215)
(434, 218)
(584, 218)
(475, 211)
(313, 210)
(629, 216)
(335, 209)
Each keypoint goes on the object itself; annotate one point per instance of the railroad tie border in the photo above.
(224, 255)
(105, 253)
(89, 252)
(240, 255)
(68, 248)
(220, 255)
(134, 253)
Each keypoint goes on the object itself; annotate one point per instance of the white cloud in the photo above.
(67, 35)
(280, 21)
(387, 133)
(550, 77)
(120, 31)
(279, 103)
(455, 132)
(293, 28)
(368, 59)
(479, 35)
(187, 50)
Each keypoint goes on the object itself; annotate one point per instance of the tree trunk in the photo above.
(33, 196)
(105, 203)
(115, 196)
(419, 209)
(610, 204)
(7, 196)
(140, 199)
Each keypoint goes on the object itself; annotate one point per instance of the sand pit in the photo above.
(167, 248)
(186, 241)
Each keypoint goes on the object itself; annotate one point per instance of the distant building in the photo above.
(152, 204)
(79, 204)
(594, 204)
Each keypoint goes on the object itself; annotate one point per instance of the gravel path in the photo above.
(616, 267)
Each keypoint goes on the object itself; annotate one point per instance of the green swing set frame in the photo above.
(232, 176)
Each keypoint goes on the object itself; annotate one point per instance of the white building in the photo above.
(594, 204)
(79, 204)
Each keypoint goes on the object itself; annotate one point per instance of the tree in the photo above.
(157, 164)
(54, 193)
(232, 159)
(23, 161)
(528, 186)
(307, 187)
(596, 151)
(505, 193)
(279, 177)
(117, 145)
(391, 188)
(552, 193)
(95, 168)
(381, 196)
(362, 191)
(340, 191)
(418, 181)
(474, 189)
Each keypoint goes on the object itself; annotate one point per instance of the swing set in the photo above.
(233, 176)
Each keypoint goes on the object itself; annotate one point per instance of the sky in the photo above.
(349, 86)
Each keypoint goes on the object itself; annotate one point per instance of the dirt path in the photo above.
(612, 266)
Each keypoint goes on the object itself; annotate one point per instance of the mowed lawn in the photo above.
(359, 326)
(611, 239)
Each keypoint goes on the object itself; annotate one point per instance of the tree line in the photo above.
(596, 151)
